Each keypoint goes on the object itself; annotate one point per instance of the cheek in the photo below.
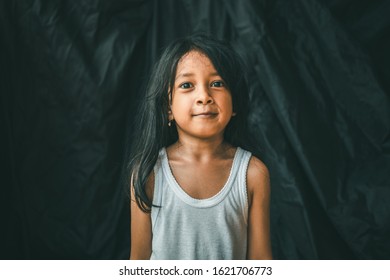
(228, 104)
(179, 106)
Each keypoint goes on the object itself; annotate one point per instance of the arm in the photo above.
(259, 243)
(141, 226)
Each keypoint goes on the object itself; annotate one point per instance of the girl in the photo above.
(197, 192)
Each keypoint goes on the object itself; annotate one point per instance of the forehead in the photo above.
(192, 61)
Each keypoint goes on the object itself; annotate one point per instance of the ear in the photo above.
(170, 115)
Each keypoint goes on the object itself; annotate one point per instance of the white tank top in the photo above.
(185, 228)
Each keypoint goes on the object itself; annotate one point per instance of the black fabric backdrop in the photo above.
(319, 84)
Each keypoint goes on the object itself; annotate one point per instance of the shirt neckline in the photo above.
(206, 202)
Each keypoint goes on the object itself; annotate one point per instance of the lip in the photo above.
(205, 114)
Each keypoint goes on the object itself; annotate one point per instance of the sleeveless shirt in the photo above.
(185, 228)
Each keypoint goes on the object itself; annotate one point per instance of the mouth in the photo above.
(205, 115)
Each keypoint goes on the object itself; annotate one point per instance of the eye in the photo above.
(185, 85)
(218, 84)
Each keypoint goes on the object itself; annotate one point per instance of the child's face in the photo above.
(201, 104)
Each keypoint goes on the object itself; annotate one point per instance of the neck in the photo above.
(201, 150)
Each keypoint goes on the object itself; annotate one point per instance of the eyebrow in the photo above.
(192, 74)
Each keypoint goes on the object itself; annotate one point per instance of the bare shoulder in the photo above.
(257, 177)
(149, 186)
(257, 170)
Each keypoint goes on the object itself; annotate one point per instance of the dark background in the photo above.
(71, 74)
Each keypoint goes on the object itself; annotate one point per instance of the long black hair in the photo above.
(151, 128)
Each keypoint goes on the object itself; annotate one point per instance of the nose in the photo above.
(204, 97)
